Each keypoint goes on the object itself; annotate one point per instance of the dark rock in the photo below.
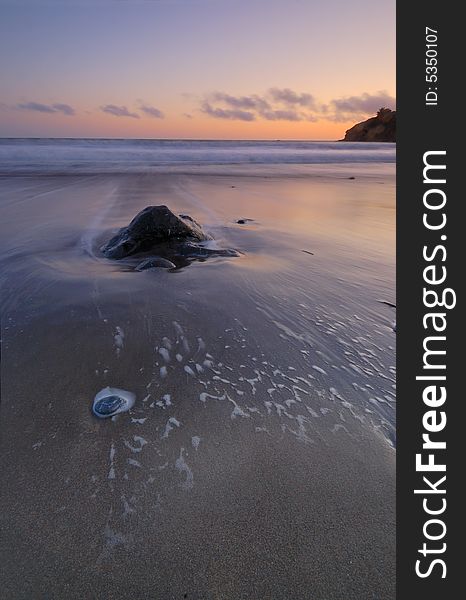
(244, 221)
(155, 262)
(381, 128)
(351, 177)
(161, 239)
(153, 225)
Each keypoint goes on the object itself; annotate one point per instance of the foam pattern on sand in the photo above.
(267, 398)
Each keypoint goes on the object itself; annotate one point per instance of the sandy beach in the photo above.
(258, 461)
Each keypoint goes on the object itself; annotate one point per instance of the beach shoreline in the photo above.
(258, 460)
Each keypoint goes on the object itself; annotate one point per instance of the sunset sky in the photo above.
(249, 69)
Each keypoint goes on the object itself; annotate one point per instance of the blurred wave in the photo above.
(108, 156)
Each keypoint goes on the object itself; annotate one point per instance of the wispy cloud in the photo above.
(36, 106)
(285, 104)
(292, 98)
(65, 109)
(287, 115)
(253, 102)
(275, 105)
(230, 114)
(118, 111)
(342, 109)
(151, 111)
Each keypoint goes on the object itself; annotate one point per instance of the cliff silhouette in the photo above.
(381, 128)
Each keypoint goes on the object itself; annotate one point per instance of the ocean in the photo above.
(115, 155)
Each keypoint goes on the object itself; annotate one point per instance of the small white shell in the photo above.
(127, 400)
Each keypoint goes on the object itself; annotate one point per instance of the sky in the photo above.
(213, 69)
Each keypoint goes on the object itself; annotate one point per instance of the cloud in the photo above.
(291, 98)
(65, 109)
(285, 104)
(254, 102)
(275, 105)
(365, 104)
(287, 115)
(36, 106)
(151, 111)
(230, 114)
(118, 111)
(281, 115)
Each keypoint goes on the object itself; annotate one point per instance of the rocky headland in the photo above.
(381, 128)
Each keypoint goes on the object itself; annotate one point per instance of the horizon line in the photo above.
(179, 139)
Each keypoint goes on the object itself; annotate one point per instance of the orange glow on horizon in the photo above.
(199, 127)
(135, 71)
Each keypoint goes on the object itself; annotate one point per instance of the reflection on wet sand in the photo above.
(258, 458)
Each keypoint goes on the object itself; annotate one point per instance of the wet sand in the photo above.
(258, 460)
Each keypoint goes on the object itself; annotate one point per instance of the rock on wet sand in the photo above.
(171, 237)
(153, 225)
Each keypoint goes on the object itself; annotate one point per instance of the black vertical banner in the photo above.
(431, 447)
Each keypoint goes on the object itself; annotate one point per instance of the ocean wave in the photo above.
(104, 156)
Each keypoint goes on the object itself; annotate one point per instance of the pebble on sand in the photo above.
(112, 401)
